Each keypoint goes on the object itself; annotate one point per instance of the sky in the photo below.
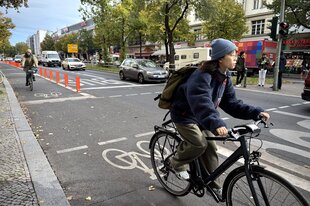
(42, 15)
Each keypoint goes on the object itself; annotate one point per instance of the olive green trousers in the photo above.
(193, 146)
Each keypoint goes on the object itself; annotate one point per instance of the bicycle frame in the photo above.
(242, 151)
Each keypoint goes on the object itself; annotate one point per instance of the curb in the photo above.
(45, 182)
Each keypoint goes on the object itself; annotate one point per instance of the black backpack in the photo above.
(174, 80)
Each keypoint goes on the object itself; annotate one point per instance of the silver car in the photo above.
(142, 70)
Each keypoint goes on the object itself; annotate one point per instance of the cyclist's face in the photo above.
(228, 61)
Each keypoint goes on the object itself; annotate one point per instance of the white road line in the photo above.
(129, 95)
(113, 141)
(96, 82)
(306, 102)
(283, 107)
(225, 118)
(271, 109)
(145, 93)
(144, 134)
(292, 114)
(116, 96)
(32, 102)
(266, 92)
(116, 87)
(298, 104)
(72, 149)
(87, 83)
(157, 92)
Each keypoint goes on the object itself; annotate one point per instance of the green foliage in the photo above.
(48, 43)
(5, 26)
(296, 11)
(226, 20)
(21, 47)
(13, 3)
(62, 43)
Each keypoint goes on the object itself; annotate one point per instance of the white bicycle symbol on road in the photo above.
(50, 95)
(131, 159)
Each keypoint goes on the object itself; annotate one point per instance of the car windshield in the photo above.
(18, 57)
(147, 63)
(53, 56)
(73, 60)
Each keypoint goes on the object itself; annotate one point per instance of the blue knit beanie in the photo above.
(220, 47)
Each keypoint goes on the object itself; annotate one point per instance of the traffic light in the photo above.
(283, 30)
(273, 28)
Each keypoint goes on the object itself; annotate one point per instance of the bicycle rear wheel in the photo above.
(271, 189)
(164, 145)
(30, 80)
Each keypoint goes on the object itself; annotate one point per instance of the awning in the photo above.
(159, 53)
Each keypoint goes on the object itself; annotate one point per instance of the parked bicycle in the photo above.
(30, 74)
(249, 184)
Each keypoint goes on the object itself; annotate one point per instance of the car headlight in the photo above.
(149, 73)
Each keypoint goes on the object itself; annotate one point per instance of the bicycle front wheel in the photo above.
(271, 190)
(164, 145)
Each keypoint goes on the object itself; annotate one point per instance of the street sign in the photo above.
(72, 48)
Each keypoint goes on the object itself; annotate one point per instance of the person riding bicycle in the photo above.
(29, 61)
(194, 109)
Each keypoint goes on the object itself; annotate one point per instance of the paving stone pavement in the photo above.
(16, 187)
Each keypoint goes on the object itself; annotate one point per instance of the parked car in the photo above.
(9, 59)
(72, 63)
(18, 58)
(142, 70)
(306, 94)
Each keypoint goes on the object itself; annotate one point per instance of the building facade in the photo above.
(34, 41)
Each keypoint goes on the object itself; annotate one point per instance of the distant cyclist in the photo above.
(29, 61)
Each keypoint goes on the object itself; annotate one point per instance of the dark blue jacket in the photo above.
(196, 101)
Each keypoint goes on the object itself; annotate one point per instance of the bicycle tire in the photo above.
(279, 192)
(30, 80)
(163, 145)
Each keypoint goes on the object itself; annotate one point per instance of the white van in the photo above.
(189, 56)
(50, 58)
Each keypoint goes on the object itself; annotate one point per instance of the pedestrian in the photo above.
(28, 61)
(194, 110)
(262, 66)
(281, 69)
(240, 67)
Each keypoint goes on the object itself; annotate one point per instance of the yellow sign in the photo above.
(72, 48)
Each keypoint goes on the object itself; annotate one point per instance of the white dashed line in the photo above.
(130, 95)
(145, 93)
(71, 149)
(144, 134)
(291, 114)
(113, 141)
(271, 109)
(116, 96)
(283, 107)
(298, 104)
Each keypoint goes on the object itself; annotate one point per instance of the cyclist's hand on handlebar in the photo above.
(222, 131)
(264, 116)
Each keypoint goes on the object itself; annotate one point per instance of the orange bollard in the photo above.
(57, 77)
(40, 71)
(66, 80)
(45, 73)
(77, 82)
(51, 74)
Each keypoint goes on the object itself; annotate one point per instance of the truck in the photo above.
(253, 52)
(187, 56)
(49, 58)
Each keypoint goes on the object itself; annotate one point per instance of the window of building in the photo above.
(196, 56)
(176, 57)
(256, 4)
(263, 2)
(258, 27)
(183, 56)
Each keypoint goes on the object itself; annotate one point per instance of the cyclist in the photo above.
(29, 61)
(194, 109)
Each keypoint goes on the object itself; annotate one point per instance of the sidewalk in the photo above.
(26, 178)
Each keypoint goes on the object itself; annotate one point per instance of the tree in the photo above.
(222, 19)
(21, 47)
(48, 43)
(172, 13)
(85, 41)
(5, 26)
(62, 43)
(13, 4)
(296, 11)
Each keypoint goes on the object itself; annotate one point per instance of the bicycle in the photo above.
(249, 184)
(30, 74)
